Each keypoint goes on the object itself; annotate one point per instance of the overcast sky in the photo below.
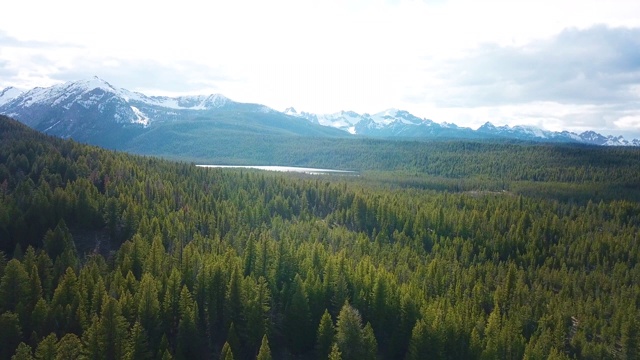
(556, 64)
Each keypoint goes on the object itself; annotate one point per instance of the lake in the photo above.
(303, 170)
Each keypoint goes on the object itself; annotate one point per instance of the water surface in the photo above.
(304, 170)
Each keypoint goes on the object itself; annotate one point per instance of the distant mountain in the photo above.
(536, 134)
(97, 112)
(395, 123)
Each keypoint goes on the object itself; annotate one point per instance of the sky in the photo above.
(555, 64)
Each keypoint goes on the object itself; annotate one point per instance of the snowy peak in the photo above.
(302, 115)
(100, 99)
(366, 124)
(399, 123)
(488, 126)
(83, 92)
(202, 102)
(533, 133)
(90, 85)
(592, 137)
(85, 108)
(94, 90)
(395, 115)
(95, 111)
(190, 102)
(517, 131)
(9, 94)
(340, 119)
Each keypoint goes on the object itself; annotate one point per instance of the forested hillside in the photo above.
(107, 255)
(567, 171)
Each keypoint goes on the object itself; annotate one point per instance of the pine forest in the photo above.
(470, 250)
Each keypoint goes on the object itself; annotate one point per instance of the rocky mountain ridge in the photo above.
(84, 109)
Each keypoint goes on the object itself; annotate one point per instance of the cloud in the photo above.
(576, 80)
(7, 41)
(148, 76)
(454, 60)
(30, 66)
(598, 65)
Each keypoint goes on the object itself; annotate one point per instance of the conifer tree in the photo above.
(325, 336)
(630, 336)
(65, 302)
(69, 348)
(112, 329)
(14, 286)
(335, 353)
(93, 346)
(349, 333)
(249, 257)
(23, 352)
(419, 344)
(187, 338)
(171, 304)
(148, 306)
(137, 344)
(34, 292)
(166, 355)
(233, 340)
(265, 351)
(234, 303)
(369, 343)
(47, 348)
(226, 353)
(10, 334)
(257, 311)
(297, 322)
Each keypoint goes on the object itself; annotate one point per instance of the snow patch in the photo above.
(198, 102)
(531, 130)
(50, 127)
(291, 112)
(141, 117)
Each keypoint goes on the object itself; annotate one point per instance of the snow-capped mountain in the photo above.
(92, 110)
(97, 112)
(394, 123)
(389, 123)
(48, 108)
(304, 115)
(535, 134)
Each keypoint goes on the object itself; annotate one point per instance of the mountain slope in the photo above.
(96, 112)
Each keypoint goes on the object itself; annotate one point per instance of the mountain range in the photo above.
(394, 123)
(97, 112)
